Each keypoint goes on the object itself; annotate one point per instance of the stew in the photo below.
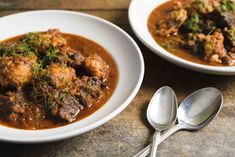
(201, 31)
(50, 79)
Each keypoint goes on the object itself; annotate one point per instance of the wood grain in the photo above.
(129, 132)
(64, 4)
(118, 17)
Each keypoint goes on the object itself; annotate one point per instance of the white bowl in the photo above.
(119, 44)
(139, 11)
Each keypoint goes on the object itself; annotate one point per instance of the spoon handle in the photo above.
(156, 139)
(144, 152)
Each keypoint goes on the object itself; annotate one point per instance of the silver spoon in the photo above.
(161, 113)
(194, 113)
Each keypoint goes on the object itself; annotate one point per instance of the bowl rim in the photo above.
(103, 120)
(157, 49)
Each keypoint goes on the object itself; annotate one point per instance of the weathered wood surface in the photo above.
(64, 4)
(129, 132)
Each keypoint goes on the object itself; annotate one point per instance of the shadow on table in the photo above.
(31, 150)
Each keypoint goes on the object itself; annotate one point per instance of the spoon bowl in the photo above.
(161, 112)
(199, 108)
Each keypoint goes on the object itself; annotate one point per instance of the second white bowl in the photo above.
(139, 11)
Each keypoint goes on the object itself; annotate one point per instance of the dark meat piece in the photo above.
(12, 105)
(68, 107)
(96, 66)
(91, 90)
(46, 40)
(229, 37)
(71, 57)
(228, 60)
(61, 75)
(194, 42)
(16, 71)
(223, 19)
(60, 104)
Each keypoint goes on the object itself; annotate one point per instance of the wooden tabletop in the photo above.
(130, 132)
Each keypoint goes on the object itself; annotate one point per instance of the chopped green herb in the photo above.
(167, 45)
(51, 54)
(20, 49)
(35, 40)
(212, 30)
(227, 5)
(58, 101)
(193, 23)
(37, 116)
(37, 67)
(231, 34)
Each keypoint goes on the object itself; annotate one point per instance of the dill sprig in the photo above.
(50, 97)
(37, 68)
(50, 55)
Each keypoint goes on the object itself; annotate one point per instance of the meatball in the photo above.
(175, 20)
(214, 44)
(61, 75)
(16, 71)
(96, 66)
(204, 6)
(43, 41)
(214, 49)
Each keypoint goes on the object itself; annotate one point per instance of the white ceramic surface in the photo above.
(119, 44)
(139, 11)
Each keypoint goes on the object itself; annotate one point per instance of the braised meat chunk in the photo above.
(12, 105)
(59, 103)
(96, 66)
(91, 90)
(70, 56)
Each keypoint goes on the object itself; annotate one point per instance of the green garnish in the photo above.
(37, 115)
(212, 30)
(168, 44)
(37, 67)
(36, 40)
(231, 34)
(51, 54)
(193, 23)
(58, 101)
(19, 49)
(227, 5)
